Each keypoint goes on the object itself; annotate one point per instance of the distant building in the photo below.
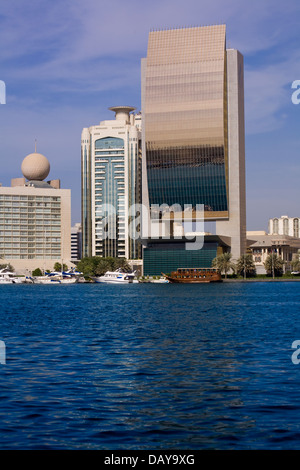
(76, 243)
(262, 245)
(285, 225)
(111, 172)
(35, 219)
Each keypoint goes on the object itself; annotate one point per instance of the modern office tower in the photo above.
(35, 219)
(76, 243)
(111, 173)
(193, 140)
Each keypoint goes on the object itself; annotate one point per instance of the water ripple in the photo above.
(150, 367)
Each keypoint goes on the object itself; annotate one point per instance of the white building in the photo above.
(35, 219)
(111, 169)
(76, 243)
(284, 225)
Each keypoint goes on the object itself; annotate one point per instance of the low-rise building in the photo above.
(35, 219)
(263, 244)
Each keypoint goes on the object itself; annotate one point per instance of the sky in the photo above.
(65, 62)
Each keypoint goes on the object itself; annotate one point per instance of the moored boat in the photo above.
(194, 275)
(162, 280)
(55, 277)
(115, 277)
(8, 277)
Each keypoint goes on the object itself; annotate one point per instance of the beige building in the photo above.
(263, 244)
(35, 219)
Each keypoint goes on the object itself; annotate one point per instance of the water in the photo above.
(150, 366)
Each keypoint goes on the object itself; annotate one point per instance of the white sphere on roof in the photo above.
(35, 167)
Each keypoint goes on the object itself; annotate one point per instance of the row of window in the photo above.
(286, 227)
(7, 197)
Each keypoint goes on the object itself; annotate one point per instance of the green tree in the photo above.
(274, 265)
(223, 263)
(57, 267)
(122, 263)
(296, 263)
(8, 267)
(37, 272)
(245, 265)
(103, 265)
(97, 266)
(88, 265)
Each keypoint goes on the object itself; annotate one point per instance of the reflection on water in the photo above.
(150, 366)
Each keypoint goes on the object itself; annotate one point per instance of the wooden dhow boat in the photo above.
(194, 275)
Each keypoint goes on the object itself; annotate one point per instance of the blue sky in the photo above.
(65, 62)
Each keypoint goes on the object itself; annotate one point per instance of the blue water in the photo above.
(150, 366)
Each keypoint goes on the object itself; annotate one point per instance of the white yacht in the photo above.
(7, 277)
(116, 277)
(55, 277)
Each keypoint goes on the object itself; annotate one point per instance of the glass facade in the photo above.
(30, 227)
(185, 118)
(109, 197)
(163, 257)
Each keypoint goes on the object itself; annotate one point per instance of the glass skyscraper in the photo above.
(193, 127)
(185, 112)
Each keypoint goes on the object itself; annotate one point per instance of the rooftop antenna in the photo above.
(35, 145)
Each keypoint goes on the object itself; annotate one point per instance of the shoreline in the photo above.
(263, 280)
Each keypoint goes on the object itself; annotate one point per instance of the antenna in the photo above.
(35, 145)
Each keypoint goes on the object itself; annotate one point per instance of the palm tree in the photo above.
(245, 265)
(296, 263)
(223, 263)
(274, 265)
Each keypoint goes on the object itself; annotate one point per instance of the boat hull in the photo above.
(112, 281)
(194, 276)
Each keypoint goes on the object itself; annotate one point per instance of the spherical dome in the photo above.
(35, 167)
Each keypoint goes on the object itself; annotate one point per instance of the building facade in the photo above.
(284, 225)
(193, 130)
(76, 243)
(262, 245)
(111, 184)
(35, 219)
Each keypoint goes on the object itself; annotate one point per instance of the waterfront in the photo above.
(149, 366)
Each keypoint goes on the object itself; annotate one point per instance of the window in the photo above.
(296, 227)
(285, 226)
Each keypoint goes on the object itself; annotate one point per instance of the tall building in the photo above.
(111, 173)
(193, 139)
(35, 219)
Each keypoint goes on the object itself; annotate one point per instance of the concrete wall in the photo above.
(235, 227)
